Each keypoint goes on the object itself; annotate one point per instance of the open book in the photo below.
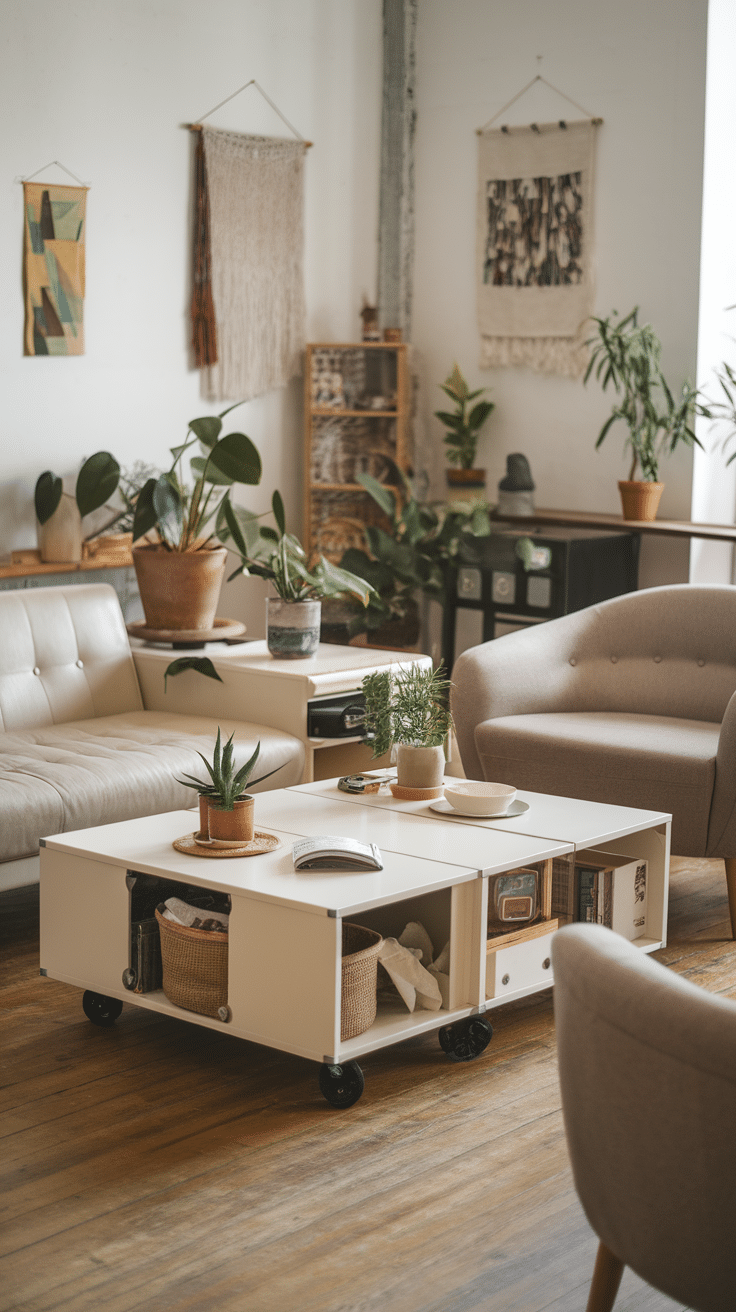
(331, 852)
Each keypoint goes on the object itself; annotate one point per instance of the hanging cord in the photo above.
(59, 165)
(196, 127)
(519, 94)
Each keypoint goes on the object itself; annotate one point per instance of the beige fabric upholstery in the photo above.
(648, 1075)
(78, 748)
(631, 701)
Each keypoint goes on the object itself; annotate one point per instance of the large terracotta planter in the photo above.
(231, 828)
(640, 500)
(179, 589)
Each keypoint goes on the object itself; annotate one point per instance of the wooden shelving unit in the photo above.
(357, 420)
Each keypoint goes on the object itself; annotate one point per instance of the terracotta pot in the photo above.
(231, 828)
(204, 818)
(60, 538)
(640, 500)
(420, 767)
(179, 589)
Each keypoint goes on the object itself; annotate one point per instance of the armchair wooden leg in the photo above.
(606, 1280)
(731, 885)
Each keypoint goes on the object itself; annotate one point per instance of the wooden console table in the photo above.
(675, 528)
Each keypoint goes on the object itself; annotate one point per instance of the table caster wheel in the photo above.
(99, 1009)
(341, 1085)
(466, 1039)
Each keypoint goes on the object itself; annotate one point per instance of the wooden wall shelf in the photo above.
(676, 528)
(23, 564)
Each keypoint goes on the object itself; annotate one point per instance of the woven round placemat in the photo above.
(415, 794)
(260, 842)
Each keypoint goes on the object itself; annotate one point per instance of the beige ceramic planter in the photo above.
(231, 828)
(60, 538)
(420, 767)
(640, 500)
(179, 589)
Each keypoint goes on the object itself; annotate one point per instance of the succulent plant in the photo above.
(226, 786)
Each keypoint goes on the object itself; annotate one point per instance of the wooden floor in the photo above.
(156, 1165)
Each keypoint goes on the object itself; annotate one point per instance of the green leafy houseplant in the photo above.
(626, 354)
(97, 481)
(408, 708)
(463, 423)
(226, 785)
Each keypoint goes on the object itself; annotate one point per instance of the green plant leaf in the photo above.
(144, 518)
(333, 580)
(169, 510)
(479, 414)
(198, 466)
(279, 514)
(97, 481)
(381, 494)
(202, 665)
(47, 495)
(237, 526)
(236, 456)
(207, 429)
(456, 422)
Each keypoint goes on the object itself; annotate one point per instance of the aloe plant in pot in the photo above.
(181, 573)
(225, 808)
(409, 710)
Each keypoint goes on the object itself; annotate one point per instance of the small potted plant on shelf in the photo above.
(409, 710)
(627, 354)
(225, 808)
(181, 573)
(463, 430)
(60, 515)
(293, 615)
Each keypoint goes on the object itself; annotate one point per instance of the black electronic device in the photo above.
(336, 717)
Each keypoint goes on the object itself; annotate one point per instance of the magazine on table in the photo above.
(332, 852)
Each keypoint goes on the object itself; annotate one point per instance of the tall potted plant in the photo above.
(293, 615)
(627, 354)
(409, 710)
(463, 426)
(181, 573)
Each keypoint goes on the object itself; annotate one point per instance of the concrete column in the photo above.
(396, 209)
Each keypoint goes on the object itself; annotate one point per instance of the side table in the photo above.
(278, 693)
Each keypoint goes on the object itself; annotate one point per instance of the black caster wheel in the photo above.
(341, 1085)
(99, 1009)
(466, 1039)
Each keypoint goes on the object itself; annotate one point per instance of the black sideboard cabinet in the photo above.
(582, 567)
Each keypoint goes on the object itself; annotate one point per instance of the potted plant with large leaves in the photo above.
(409, 710)
(627, 355)
(180, 574)
(463, 426)
(293, 615)
(60, 515)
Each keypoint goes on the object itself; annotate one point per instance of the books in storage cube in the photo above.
(611, 890)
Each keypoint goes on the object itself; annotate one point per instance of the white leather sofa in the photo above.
(77, 745)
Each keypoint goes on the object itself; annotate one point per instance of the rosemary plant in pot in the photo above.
(180, 575)
(293, 615)
(225, 808)
(627, 354)
(409, 710)
(463, 430)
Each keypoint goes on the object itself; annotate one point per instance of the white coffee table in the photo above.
(285, 933)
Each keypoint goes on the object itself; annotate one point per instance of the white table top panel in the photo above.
(145, 845)
(561, 819)
(394, 831)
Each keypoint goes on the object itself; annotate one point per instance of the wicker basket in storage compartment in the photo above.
(194, 967)
(360, 949)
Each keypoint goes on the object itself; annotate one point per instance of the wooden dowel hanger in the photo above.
(197, 127)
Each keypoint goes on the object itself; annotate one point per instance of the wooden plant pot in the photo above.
(640, 500)
(231, 828)
(179, 589)
(466, 484)
(420, 767)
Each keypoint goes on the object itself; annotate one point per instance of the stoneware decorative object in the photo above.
(420, 767)
(292, 628)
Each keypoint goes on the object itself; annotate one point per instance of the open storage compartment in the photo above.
(145, 973)
(520, 925)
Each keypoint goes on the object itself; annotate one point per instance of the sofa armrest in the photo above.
(722, 824)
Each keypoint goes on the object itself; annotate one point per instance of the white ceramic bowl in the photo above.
(477, 798)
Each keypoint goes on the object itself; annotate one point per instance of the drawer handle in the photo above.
(505, 979)
(546, 963)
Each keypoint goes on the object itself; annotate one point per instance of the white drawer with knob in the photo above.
(522, 965)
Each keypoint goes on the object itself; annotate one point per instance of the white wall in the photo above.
(640, 65)
(104, 87)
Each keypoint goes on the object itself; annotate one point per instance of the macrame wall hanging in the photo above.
(53, 266)
(535, 271)
(248, 317)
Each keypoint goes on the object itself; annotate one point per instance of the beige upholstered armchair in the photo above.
(631, 701)
(648, 1074)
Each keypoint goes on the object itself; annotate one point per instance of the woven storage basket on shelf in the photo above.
(194, 966)
(360, 949)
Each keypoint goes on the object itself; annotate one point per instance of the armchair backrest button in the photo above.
(657, 660)
(573, 660)
(614, 660)
(701, 662)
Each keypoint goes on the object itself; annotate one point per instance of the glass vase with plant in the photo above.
(627, 355)
(293, 616)
(181, 573)
(225, 808)
(408, 710)
(463, 426)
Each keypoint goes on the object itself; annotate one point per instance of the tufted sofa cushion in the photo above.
(117, 767)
